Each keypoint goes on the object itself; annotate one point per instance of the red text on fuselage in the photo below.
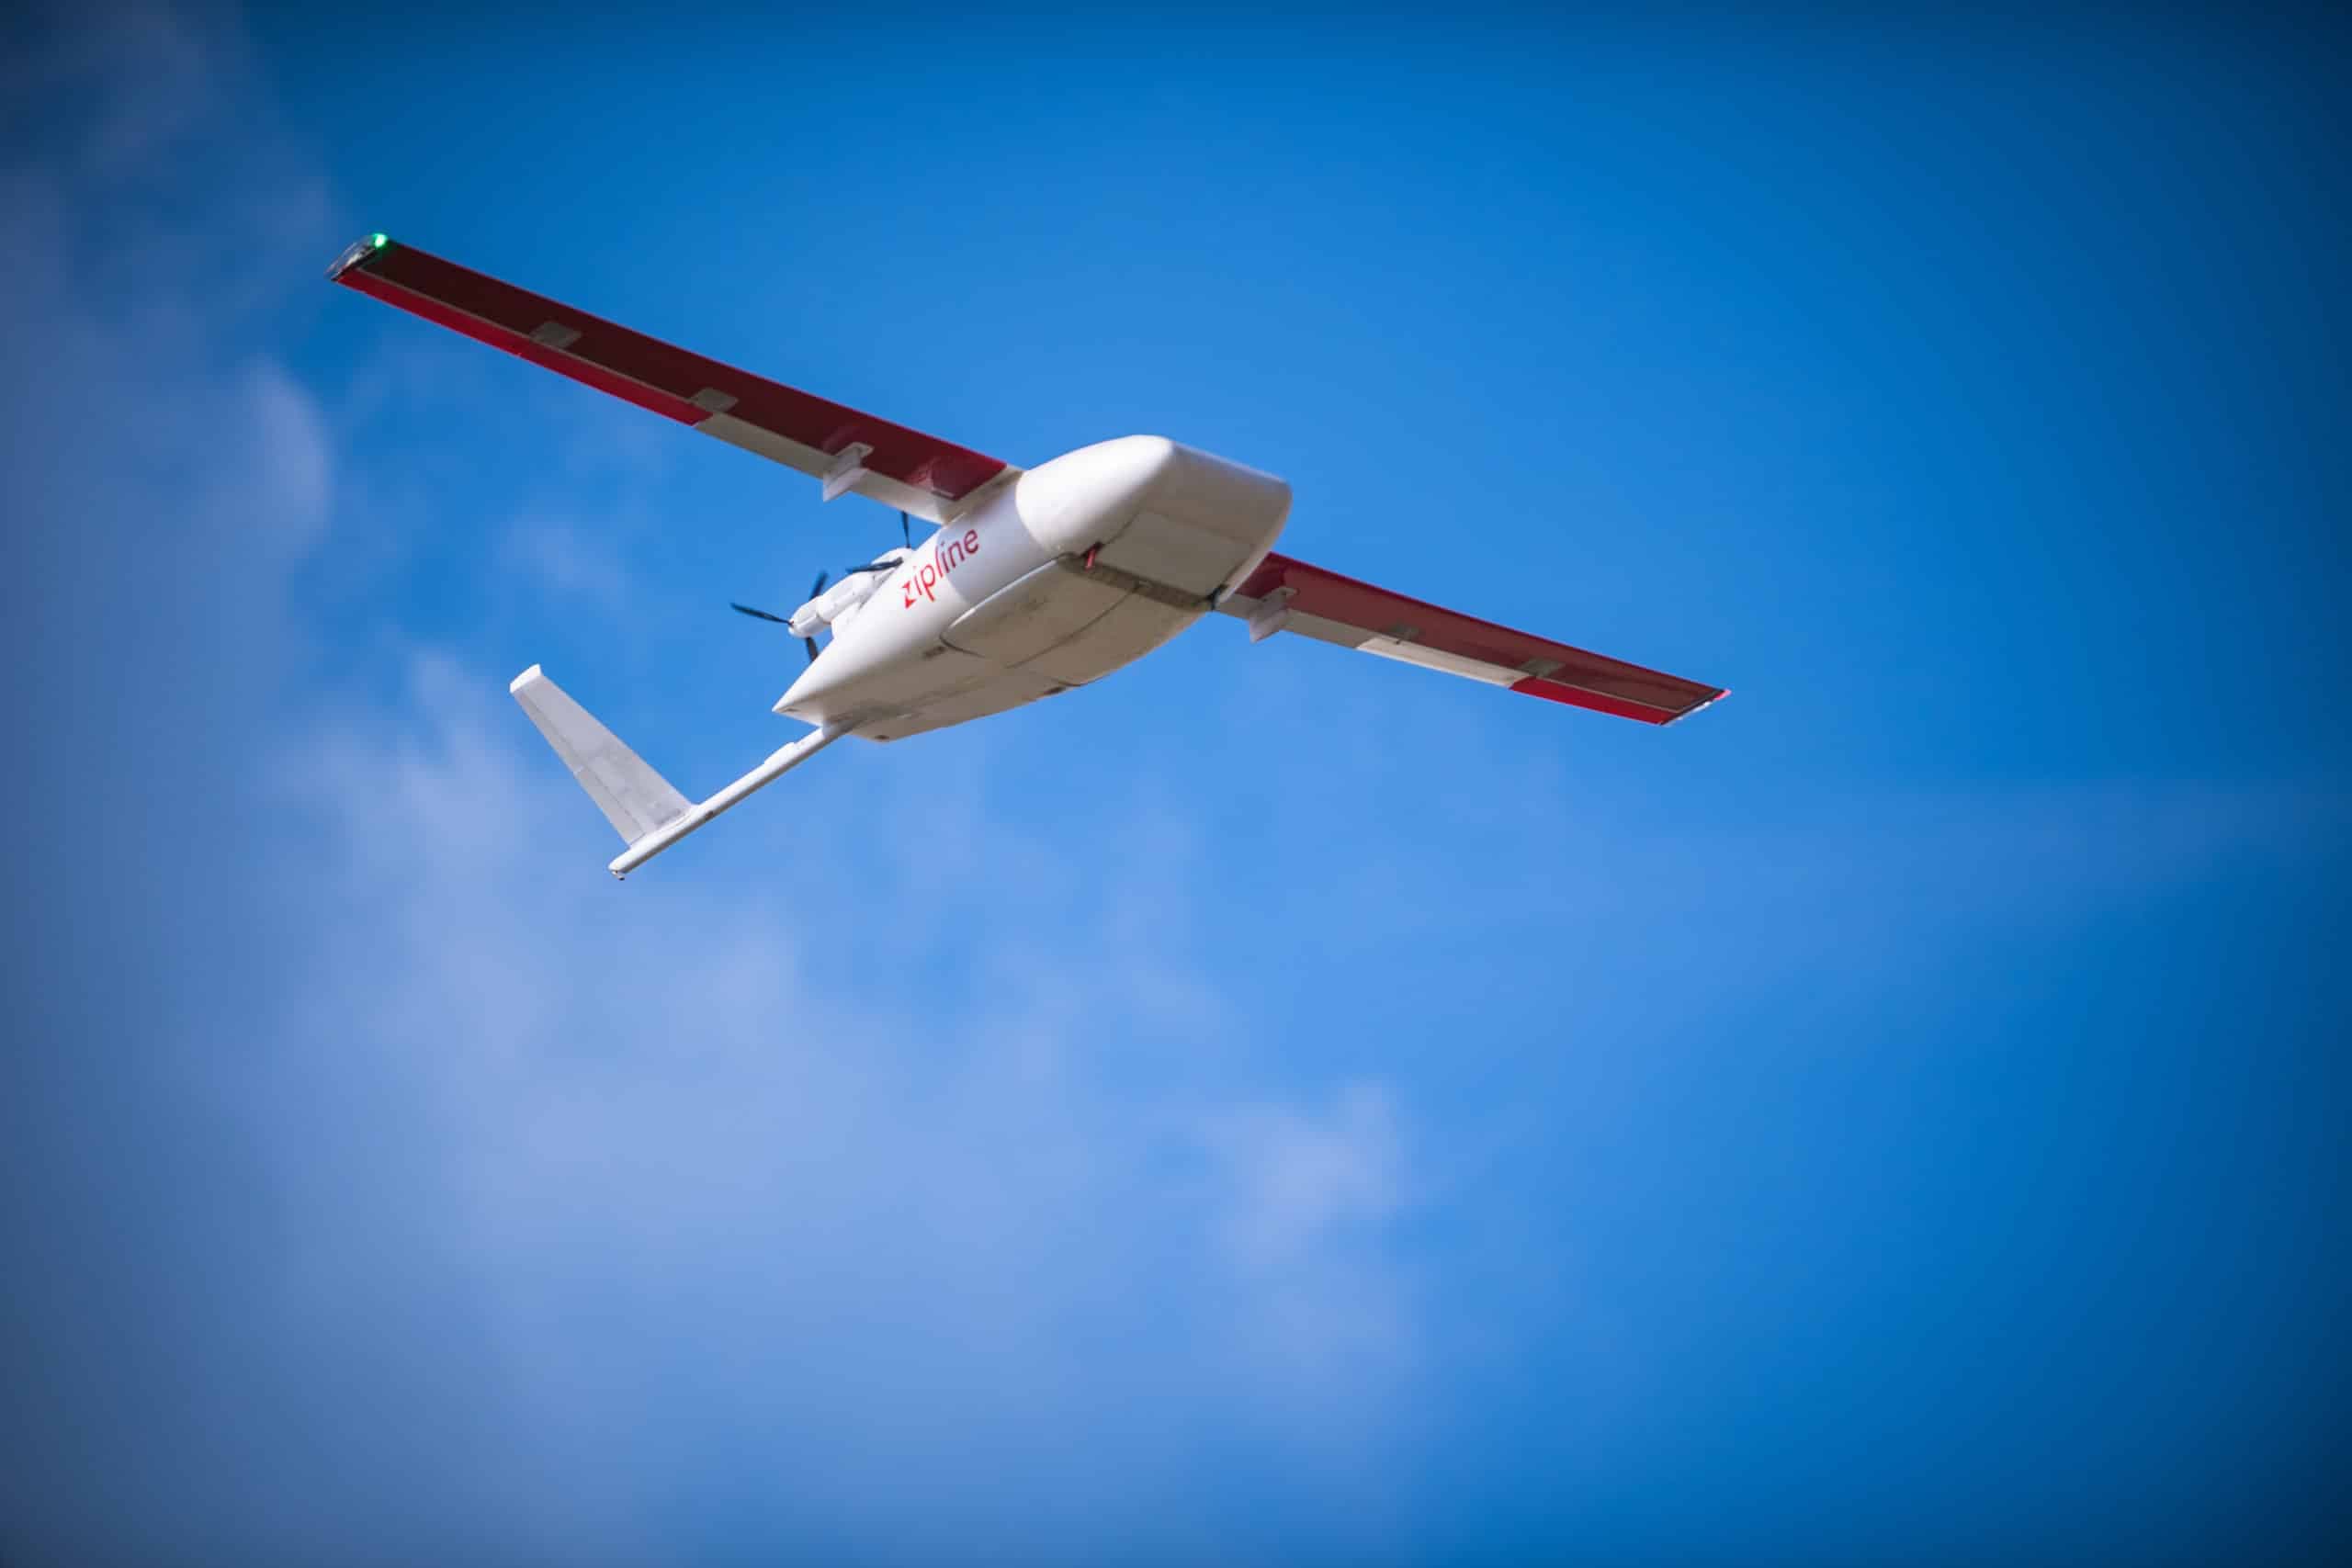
(947, 556)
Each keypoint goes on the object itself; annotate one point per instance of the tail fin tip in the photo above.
(634, 798)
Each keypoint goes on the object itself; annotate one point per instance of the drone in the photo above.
(1035, 582)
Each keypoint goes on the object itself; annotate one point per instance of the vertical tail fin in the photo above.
(634, 798)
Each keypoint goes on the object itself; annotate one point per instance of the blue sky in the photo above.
(1274, 1105)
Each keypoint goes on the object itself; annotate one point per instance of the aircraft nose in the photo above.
(1076, 498)
(1131, 463)
(1165, 513)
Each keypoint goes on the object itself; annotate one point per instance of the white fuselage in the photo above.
(1081, 564)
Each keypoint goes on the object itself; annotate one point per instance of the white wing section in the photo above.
(634, 798)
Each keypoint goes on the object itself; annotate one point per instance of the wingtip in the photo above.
(1700, 708)
(528, 677)
(358, 251)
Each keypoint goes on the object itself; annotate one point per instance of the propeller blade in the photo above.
(762, 615)
(818, 586)
(905, 532)
(811, 644)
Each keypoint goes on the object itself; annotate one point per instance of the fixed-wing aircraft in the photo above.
(1038, 579)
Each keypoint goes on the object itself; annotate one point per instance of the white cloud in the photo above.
(858, 1202)
(567, 563)
(285, 480)
(1300, 1176)
(1309, 1198)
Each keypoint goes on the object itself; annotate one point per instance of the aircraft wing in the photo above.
(852, 452)
(1283, 594)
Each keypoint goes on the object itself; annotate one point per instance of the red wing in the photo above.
(1339, 609)
(932, 478)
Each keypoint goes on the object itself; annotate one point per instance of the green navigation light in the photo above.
(379, 240)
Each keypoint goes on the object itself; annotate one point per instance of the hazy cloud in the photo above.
(566, 562)
(643, 1097)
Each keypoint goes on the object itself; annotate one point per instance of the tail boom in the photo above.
(644, 808)
(780, 763)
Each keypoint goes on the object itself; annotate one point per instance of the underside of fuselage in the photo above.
(1085, 564)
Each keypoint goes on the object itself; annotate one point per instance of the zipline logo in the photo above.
(946, 556)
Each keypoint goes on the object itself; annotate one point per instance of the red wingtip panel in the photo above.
(1552, 671)
(652, 374)
(1554, 692)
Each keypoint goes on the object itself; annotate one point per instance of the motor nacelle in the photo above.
(835, 606)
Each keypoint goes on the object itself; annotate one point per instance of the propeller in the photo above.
(814, 589)
(809, 642)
